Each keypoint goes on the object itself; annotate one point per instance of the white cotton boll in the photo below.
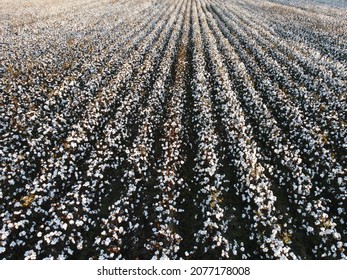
(84, 201)
(121, 230)
(54, 241)
(219, 215)
(310, 229)
(47, 238)
(97, 240)
(337, 236)
(2, 250)
(107, 241)
(164, 257)
(333, 248)
(30, 255)
(4, 235)
(339, 181)
(69, 216)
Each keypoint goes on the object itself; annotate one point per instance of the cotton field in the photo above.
(173, 129)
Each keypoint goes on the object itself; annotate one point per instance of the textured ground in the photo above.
(193, 129)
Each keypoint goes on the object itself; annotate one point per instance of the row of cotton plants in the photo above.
(207, 181)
